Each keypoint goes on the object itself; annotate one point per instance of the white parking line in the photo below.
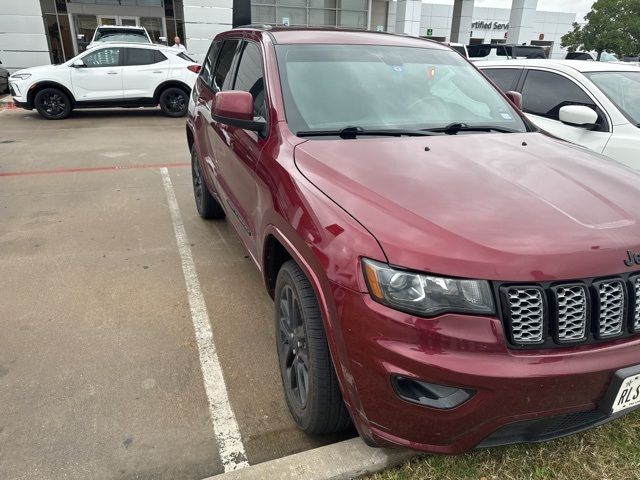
(225, 426)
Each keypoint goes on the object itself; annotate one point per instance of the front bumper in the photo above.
(467, 352)
(18, 91)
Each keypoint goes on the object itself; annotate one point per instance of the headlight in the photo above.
(426, 295)
(21, 76)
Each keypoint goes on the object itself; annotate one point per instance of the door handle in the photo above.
(112, 73)
(157, 71)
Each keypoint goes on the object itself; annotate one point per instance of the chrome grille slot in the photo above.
(572, 313)
(611, 300)
(636, 302)
(526, 312)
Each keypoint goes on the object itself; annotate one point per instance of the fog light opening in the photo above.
(430, 394)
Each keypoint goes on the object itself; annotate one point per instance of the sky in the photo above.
(580, 7)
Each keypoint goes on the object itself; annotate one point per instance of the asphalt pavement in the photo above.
(101, 366)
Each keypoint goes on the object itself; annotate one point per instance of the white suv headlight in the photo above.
(426, 295)
(20, 76)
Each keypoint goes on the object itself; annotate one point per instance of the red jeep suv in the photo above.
(445, 276)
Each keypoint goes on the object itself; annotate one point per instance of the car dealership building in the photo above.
(37, 32)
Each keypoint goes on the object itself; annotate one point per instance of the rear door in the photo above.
(545, 92)
(144, 69)
(101, 76)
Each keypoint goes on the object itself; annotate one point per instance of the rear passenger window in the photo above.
(142, 56)
(223, 65)
(544, 93)
(249, 77)
(504, 78)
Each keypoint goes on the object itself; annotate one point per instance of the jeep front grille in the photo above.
(560, 314)
(572, 313)
(611, 308)
(636, 301)
(526, 312)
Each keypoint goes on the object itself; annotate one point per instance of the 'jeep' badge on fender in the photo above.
(632, 259)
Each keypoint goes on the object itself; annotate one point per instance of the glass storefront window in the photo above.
(353, 4)
(292, 3)
(174, 18)
(86, 26)
(343, 13)
(56, 24)
(322, 3)
(153, 26)
(296, 15)
(263, 14)
(353, 19)
(321, 18)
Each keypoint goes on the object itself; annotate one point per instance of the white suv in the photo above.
(593, 104)
(113, 75)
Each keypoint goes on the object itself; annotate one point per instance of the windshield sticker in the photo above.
(506, 116)
(432, 72)
(397, 68)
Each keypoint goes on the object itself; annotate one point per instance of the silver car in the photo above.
(4, 79)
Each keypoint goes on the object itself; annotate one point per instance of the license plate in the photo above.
(628, 395)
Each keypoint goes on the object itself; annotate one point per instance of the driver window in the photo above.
(250, 79)
(105, 57)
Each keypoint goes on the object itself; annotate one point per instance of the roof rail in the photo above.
(259, 26)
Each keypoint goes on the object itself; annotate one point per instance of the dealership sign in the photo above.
(480, 25)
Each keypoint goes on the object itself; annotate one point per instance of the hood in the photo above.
(496, 206)
(33, 70)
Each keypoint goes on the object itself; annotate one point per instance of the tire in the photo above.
(174, 102)
(52, 104)
(208, 207)
(310, 385)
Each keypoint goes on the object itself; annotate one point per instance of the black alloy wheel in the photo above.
(52, 104)
(310, 385)
(174, 102)
(294, 350)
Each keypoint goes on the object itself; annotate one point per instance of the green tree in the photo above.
(611, 25)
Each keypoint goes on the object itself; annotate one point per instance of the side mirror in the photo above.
(578, 116)
(78, 64)
(516, 98)
(235, 107)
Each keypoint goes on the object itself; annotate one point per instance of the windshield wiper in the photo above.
(353, 132)
(456, 127)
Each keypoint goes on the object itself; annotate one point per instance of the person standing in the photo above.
(178, 45)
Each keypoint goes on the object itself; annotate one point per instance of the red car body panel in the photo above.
(517, 207)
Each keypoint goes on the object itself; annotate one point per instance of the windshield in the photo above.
(623, 89)
(113, 35)
(386, 87)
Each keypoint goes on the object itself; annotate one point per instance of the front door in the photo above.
(101, 76)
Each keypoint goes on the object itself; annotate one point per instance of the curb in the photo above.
(339, 461)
